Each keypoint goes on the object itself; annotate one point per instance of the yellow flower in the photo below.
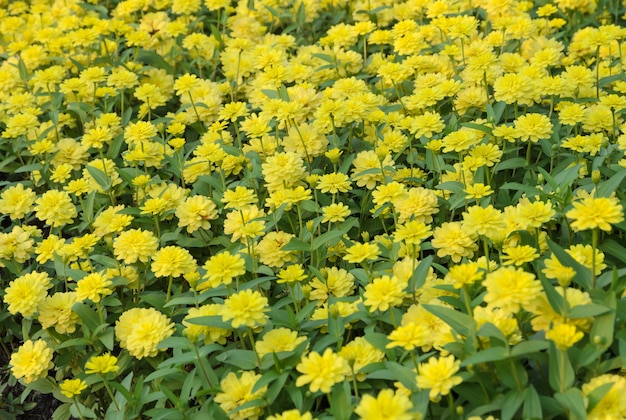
(519, 255)
(244, 223)
(486, 221)
(222, 269)
(17, 201)
(196, 212)
(72, 387)
(26, 293)
(387, 405)
(465, 274)
(364, 162)
(533, 127)
(211, 334)
(337, 282)
(291, 415)
(321, 372)
(291, 274)
(56, 310)
(93, 286)
(246, 308)
(360, 353)
(409, 336)
(277, 340)
(452, 239)
(335, 213)
(172, 261)
(334, 182)
(106, 363)
(31, 361)
(418, 204)
(511, 289)
(237, 391)
(384, 292)
(140, 331)
(534, 214)
(438, 375)
(478, 190)
(270, 251)
(412, 232)
(360, 252)
(238, 198)
(612, 405)
(564, 335)
(283, 170)
(55, 208)
(135, 245)
(596, 212)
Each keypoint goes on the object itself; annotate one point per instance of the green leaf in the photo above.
(460, 322)
(512, 402)
(608, 187)
(554, 298)
(406, 375)
(88, 315)
(573, 401)
(587, 311)
(598, 393)
(532, 405)
(529, 347)
(100, 177)
(209, 321)
(561, 372)
(583, 274)
(602, 332)
(296, 244)
(332, 237)
(151, 58)
(243, 359)
(491, 354)
(341, 398)
(418, 278)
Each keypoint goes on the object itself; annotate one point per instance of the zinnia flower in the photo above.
(592, 213)
(245, 308)
(438, 375)
(321, 372)
(106, 363)
(172, 261)
(141, 330)
(237, 391)
(72, 387)
(135, 245)
(31, 361)
(387, 405)
(26, 293)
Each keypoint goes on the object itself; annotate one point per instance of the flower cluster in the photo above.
(303, 209)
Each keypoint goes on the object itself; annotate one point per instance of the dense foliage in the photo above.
(314, 209)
